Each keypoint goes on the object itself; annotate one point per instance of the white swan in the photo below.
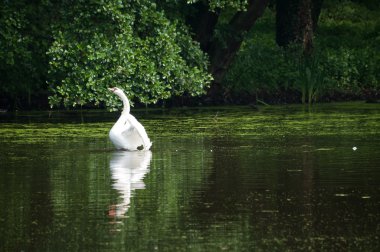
(128, 133)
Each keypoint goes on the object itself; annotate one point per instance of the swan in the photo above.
(128, 133)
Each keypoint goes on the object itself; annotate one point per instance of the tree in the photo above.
(220, 27)
(132, 45)
(152, 49)
(153, 56)
(24, 40)
(296, 21)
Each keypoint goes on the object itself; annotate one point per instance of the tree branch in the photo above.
(222, 56)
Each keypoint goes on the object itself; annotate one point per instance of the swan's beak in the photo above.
(112, 89)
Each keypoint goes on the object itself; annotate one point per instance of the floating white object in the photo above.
(341, 194)
(354, 148)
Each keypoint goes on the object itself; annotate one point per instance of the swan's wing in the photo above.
(135, 127)
(127, 128)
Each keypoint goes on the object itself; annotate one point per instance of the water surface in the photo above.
(234, 179)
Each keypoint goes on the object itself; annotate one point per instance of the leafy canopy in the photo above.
(129, 44)
(220, 4)
(23, 46)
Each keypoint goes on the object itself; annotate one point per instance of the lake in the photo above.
(280, 178)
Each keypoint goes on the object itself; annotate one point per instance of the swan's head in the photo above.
(116, 90)
(119, 92)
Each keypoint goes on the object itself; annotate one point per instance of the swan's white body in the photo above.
(128, 133)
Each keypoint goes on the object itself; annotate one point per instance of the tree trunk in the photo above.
(221, 53)
(221, 56)
(296, 21)
(306, 27)
(203, 23)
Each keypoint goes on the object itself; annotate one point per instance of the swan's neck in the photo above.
(127, 107)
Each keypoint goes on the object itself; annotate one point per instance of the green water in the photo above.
(217, 179)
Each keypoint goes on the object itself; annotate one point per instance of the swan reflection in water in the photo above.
(128, 169)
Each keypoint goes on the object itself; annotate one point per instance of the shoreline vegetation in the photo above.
(77, 114)
(191, 53)
(40, 103)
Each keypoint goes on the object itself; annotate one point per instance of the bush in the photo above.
(131, 45)
(345, 63)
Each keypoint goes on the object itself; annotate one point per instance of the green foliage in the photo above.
(221, 4)
(345, 61)
(261, 66)
(311, 79)
(350, 36)
(23, 43)
(250, 71)
(131, 45)
(146, 48)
